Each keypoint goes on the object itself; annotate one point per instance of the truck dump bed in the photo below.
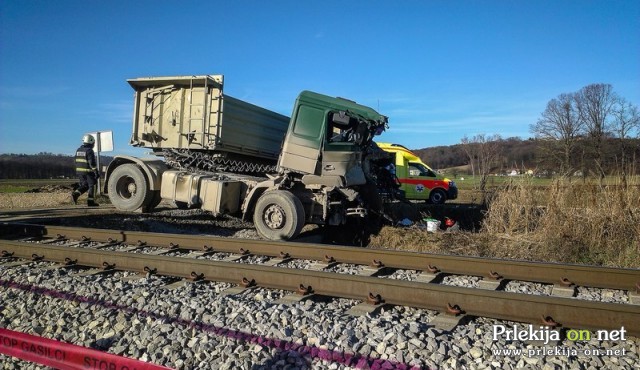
(191, 112)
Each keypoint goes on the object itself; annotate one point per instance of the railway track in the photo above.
(77, 247)
(24, 215)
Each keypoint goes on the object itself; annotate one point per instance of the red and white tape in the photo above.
(65, 356)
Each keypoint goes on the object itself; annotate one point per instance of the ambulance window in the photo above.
(418, 169)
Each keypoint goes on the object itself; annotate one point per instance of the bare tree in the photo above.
(469, 149)
(626, 122)
(559, 129)
(489, 153)
(483, 152)
(595, 105)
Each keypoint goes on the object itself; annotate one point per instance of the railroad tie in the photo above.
(303, 293)
(93, 272)
(235, 257)
(245, 285)
(106, 269)
(284, 258)
(369, 306)
(16, 263)
(565, 288)
(376, 268)
(68, 263)
(177, 284)
(328, 263)
(448, 319)
(493, 281)
(634, 296)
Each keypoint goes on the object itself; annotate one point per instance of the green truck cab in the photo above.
(326, 138)
(417, 180)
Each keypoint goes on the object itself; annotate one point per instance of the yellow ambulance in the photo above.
(417, 180)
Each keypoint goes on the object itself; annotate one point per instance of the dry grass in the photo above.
(419, 240)
(567, 222)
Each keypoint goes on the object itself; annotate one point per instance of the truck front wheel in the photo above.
(128, 188)
(278, 215)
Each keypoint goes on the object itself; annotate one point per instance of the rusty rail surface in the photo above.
(488, 268)
(566, 312)
(24, 215)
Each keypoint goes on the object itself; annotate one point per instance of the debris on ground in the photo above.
(451, 225)
(405, 222)
(430, 224)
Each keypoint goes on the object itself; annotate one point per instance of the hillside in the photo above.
(516, 153)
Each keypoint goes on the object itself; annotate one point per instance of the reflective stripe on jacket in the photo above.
(85, 160)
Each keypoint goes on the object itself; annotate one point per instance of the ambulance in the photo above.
(417, 180)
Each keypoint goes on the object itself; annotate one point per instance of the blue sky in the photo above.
(439, 69)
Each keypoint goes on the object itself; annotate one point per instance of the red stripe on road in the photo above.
(63, 355)
(355, 360)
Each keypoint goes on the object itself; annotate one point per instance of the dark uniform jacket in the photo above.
(85, 160)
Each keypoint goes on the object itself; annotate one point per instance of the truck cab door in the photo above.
(301, 147)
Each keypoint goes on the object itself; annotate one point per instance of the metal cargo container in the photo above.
(191, 112)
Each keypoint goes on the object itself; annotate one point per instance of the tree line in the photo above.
(515, 153)
(591, 132)
(40, 166)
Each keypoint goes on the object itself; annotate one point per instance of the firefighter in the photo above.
(87, 171)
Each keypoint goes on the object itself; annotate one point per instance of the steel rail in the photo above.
(34, 215)
(490, 268)
(569, 313)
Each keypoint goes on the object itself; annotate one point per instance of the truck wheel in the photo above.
(437, 196)
(278, 215)
(128, 188)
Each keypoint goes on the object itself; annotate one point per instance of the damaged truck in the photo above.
(226, 156)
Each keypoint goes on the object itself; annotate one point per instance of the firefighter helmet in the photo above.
(88, 139)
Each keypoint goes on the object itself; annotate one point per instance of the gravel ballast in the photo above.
(196, 326)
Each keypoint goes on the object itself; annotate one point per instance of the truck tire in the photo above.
(437, 196)
(128, 188)
(278, 215)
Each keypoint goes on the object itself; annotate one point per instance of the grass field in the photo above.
(22, 185)
(472, 183)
